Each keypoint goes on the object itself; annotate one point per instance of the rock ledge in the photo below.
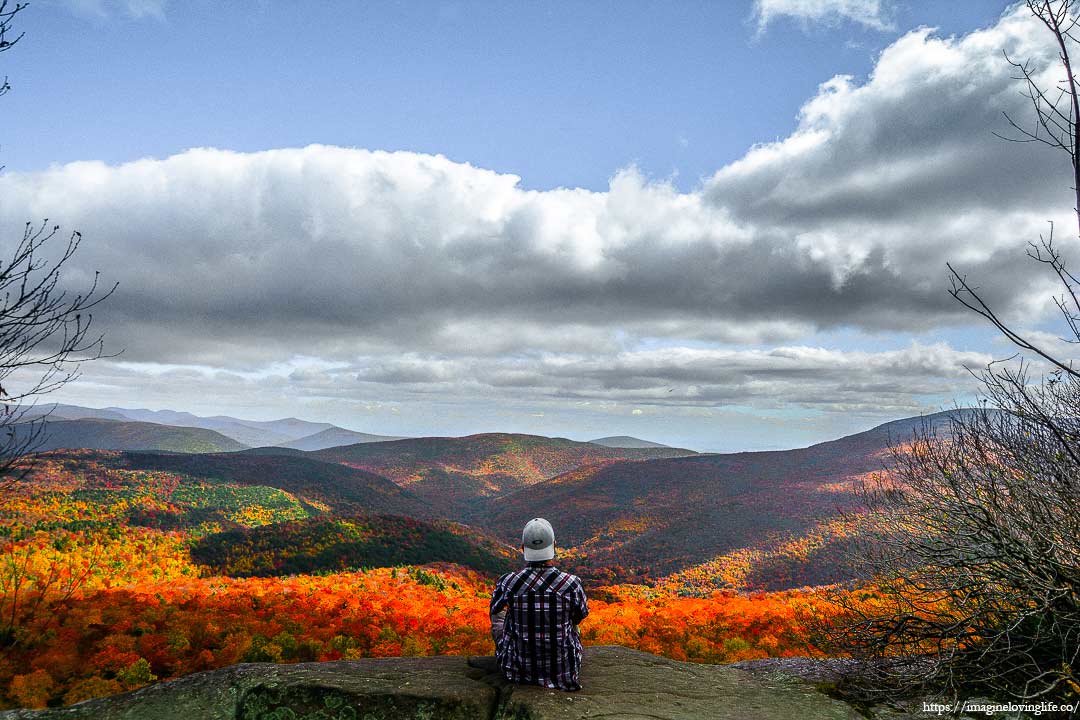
(618, 683)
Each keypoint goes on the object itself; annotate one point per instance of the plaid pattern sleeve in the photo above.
(540, 644)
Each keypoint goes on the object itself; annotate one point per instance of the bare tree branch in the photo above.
(973, 556)
(45, 330)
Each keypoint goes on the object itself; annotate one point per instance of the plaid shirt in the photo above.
(539, 643)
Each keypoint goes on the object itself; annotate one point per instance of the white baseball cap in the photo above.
(538, 540)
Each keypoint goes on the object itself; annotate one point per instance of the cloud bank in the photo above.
(410, 274)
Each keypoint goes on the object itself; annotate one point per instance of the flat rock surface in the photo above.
(631, 685)
(617, 683)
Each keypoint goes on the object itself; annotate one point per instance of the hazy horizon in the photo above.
(479, 432)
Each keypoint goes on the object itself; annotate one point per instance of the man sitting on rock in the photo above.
(534, 616)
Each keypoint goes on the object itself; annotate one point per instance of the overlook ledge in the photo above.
(618, 683)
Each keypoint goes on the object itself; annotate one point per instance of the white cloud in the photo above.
(903, 171)
(869, 13)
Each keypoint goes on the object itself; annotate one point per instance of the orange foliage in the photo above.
(117, 639)
(725, 627)
(109, 599)
(114, 639)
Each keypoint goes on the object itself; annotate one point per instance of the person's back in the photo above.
(538, 642)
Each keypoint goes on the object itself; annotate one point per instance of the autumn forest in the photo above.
(124, 568)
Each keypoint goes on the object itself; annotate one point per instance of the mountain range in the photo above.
(769, 520)
(455, 474)
(666, 515)
(231, 433)
(287, 432)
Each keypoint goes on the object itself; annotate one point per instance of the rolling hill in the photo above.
(96, 434)
(754, 519)
(332, 544)
(657, 517)
(244, 519)
(458, 474)
(341, 489)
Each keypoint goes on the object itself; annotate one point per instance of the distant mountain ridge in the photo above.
(287, 432)
(627, 441)
(251, 432)
(60, 411)
(333, 437)
(107, 434)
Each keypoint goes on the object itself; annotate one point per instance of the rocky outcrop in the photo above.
(618, 683)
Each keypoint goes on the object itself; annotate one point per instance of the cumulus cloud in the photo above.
(869, 13)
(890, 177)
(337, 251)
(414, 272)
(226, 257)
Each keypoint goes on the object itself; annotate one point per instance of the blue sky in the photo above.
(561, 94)
(717, 225)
